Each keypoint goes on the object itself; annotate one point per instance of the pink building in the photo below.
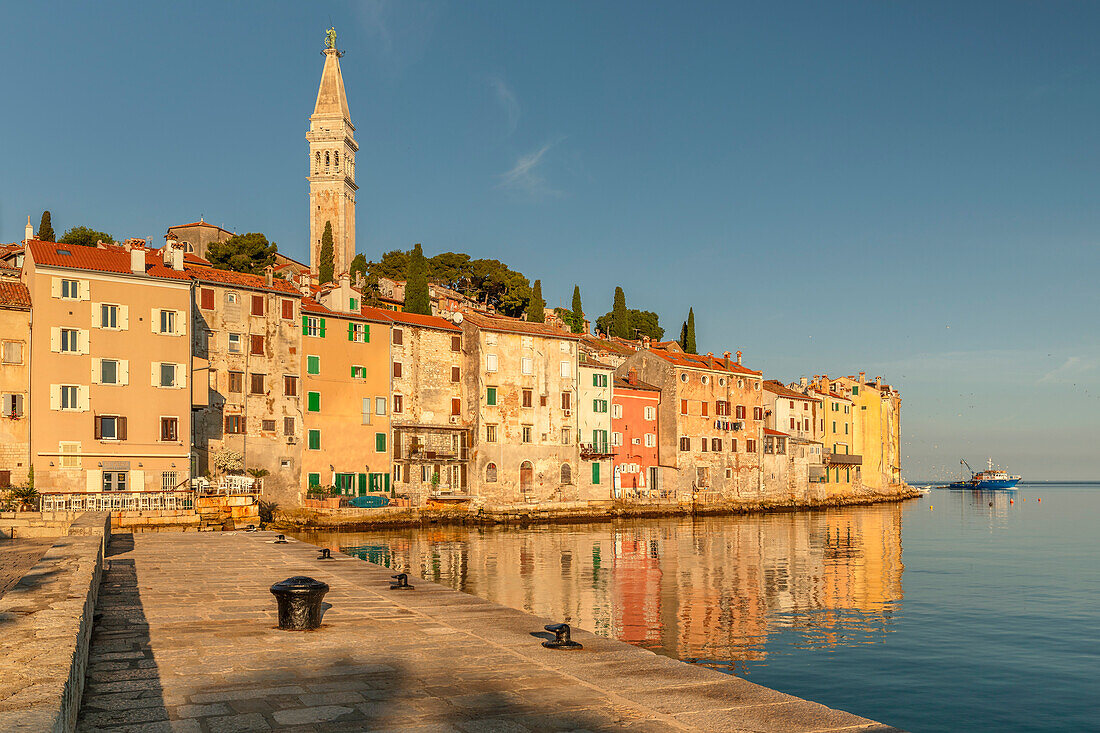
(634, 435)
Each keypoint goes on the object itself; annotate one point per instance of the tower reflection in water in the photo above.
(709, 590)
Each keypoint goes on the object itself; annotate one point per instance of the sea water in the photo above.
(961, 610)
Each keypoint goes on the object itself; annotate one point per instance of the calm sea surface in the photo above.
(940, 614)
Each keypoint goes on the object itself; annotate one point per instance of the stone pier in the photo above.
(186, 640)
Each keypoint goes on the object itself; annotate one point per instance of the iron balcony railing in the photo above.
(596, 450)
(117, 501)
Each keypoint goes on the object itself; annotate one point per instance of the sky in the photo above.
(909, 190)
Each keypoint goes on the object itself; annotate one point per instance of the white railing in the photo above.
(120, 501)
(229, 486)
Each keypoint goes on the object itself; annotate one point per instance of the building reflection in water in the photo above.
(709, 590)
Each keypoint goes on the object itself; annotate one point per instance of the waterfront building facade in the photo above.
(842, 463)
(15, 340)
(595, 439)
(635, 407)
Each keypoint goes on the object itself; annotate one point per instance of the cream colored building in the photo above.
(15, 339)
(109, 391)
(598, 444)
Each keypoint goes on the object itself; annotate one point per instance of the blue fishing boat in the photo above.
(993, 478)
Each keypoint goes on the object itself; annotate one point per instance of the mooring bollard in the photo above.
(402, 582)
(280, 539)
(326, 554)
(299, 600)
(561, 638)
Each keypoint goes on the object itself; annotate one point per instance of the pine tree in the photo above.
(536, 306)
(417, 297)
(689, 337)
(578, 314)
(45, 228)
(325, 262)
(620, 317)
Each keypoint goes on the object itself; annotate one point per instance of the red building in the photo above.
(634, 435)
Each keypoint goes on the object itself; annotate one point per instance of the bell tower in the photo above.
(332, 150)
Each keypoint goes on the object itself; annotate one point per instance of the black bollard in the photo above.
(299, 600)
(561, 638)
(402, 582)
(280, 539)
(326, 554)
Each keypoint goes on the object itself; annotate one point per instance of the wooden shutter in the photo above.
(55, 339)
(97, 370)
(97, 315)
(288, 309)
(123, 372)
(98, 427)
(82, 401)
(257, 305)
(120, 428)
(305, 324)
(82, 341)
(322, 328)
(206, 299)
(123, 317)
(55, 396)
(55, 287)
(456, 406)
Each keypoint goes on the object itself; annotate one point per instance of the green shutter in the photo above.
(491, 396)
(380, 442)
(354, 304)
(315, 479)
(313, 365)
(595, 472)
(362, 484)
(315, 440)
(322, 328)
(314, 402)
(386, 479)
(366, 333)
(351, 332)
(305, 324)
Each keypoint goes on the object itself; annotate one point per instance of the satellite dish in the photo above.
(457, 318)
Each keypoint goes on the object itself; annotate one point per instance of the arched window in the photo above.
(317, 162)
(491, 473)
(566, 474)
(336, 161)
(326, 161)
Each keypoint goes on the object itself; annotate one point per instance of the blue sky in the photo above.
(909, 190)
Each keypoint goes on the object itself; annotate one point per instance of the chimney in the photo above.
(645, 342)
(726, 355)
(878, 382)
(137, 258)
(632, 376)
(738, 358)
(269, 275)
(803, 382)
(358, 280)
(862, 377)
(710, 354)
(29, 233)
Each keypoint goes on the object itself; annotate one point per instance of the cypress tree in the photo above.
(620, 317)
(325, 263)
(536, 306)
(578, 315)
(417, 297)
(689, 340)
(45, 228)
(683, 336)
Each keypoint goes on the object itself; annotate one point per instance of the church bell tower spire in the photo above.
(332, 150)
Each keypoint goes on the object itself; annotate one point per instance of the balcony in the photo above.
(842, 459)
(596, 451)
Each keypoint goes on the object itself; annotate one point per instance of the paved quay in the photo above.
(186, 640)
(17, 557)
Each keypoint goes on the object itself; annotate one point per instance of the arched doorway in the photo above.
(526, 477)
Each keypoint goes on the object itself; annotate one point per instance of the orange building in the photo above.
(15, 337)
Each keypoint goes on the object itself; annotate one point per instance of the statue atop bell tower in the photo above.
(332, 150)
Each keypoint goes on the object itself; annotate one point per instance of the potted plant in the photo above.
(25, 498)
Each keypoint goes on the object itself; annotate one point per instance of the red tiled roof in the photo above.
(595, 363)
(698, 361)
(114, 260)
(241, 280)
(309, 305)
(515, 325)
(769, 431)
(778, 388)
(190, 258)
(609, 344)
(14, 295)
(622, 383)
(832, 395)
(413, 319)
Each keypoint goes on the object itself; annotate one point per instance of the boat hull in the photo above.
(986, 484)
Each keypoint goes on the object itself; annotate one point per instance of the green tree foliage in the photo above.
(577, 323)
(417, 297)
(683, 336)
(325, 260)
(689, 333)
(45, 228)
(358, 265)
(85, 237)
(646, 323)
(620, 317)
(243, 253)
(536, 306)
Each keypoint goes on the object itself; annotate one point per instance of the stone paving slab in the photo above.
(17, 557)
(186, 640)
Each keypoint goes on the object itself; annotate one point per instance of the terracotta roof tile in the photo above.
(113, 260)
(622, 383)
(778, 388)
(700, 361)
(14, 295)
(240, 279)
(515, 325)
(414, 319)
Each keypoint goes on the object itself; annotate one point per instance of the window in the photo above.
(528, 397)
(456, 374)
(167, 375)
(13, 352)
(314, 440)
(257, 345)
(358, 332)
(380, 442)
(70, 289)
(684, 377)
(565, 436)
(169, 322)
(491, 473)
(69, 397)
(704, 408)
(168, 480)
(206, 299)
(750, 446)
(397, 370)
(599, 380)
(70, 455)
(257, 384)
(257, 305)
(313, 401)
(650, 440)
(758, 413)
(69, 338)
(398, 403)
(235, 343)
(566, 474)
(108, 316)
(313, 365)
(526, 433)
(616, 439)
(288, 426)
(490, 396)
(169, 429)
(683, 407)
(740, 410)
(703, 445)
(733, 445)
(290, 385)
(566, 369)
(230, 298)
(617, 411)
(456, 406)
(234, 425)
(354, 303)
(846, 409)
(855, 391)
(716, 444)
(685, 443)
(12, 406)
(114, 480)
(566, 400)
(398, 337)
(313, 326)
(722, 408)
(599, 405)
(650, 412)
(358, 372)
(267, 426)
(236, 382)
(834, 426)
(845, 428)
(704, 379)
(288, 309)
(314, 479)
(379, 405)
(595, 472)
(527, 365)
(456, 343)
(490, 433)
(108, 371)
(490, 362)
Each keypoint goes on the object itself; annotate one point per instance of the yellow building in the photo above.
(109, 392)
(15, 336)
(346, 382)
(842, 461)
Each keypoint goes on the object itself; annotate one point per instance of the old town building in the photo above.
(15, 339)
(594, 435)
(842, 463)
(111, 353)
(197, 236)
(431, 417)
(876, 429)
(522, 387)
(634, 408)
